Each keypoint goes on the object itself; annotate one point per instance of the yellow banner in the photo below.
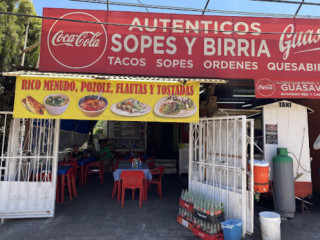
(88, 99)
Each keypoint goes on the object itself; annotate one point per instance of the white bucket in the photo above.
(270, 225)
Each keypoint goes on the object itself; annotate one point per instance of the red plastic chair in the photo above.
(115, 166)
(115, 184)
(94, 167)
(151, 163)
(132, 180)
(70, 183)
(156, 179)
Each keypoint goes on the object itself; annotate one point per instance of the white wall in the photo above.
(292, 134)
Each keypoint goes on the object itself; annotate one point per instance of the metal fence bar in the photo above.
(244, 161)
(218, 159)
(26, 165)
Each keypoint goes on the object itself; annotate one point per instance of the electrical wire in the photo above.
(143, 5)
(146, 26)
(126, 4)
(299, 163)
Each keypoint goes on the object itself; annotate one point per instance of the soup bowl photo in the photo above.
(92, 106)
(56, 104)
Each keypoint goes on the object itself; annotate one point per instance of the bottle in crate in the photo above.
(183, 214)
(182, 195)
(215, 230)
(211, 209)
(188, 216)
(196, 204)
(186, 195)
(198, 224)
(180, 211)
(210, 230)
(216, 210)
(202, 206)
(218, 227)
(222, 207)
(208, 208)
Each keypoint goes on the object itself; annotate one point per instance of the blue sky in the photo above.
(230, 5)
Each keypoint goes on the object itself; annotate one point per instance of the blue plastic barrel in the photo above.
(232, 229)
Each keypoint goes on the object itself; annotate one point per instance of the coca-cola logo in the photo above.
(85, 43)
(265, 87)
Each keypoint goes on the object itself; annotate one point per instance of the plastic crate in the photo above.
(186, 205)
(207, 218)
(206, 236)
(185, 223)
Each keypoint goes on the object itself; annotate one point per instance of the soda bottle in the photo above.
(183, 213)
(202, 206)
(222, 207)
(190, 197)
(210, 230)
(198, 224)
(195, 204)
(211, 209)
(180, 211)
(214, 229)
(182, 194)
(219, 209)
(202, 225)
(195, 222)
(186, 195)
(208, 208)
(199, 205)
(216, 210)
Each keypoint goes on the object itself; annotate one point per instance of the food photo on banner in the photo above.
(38, 97)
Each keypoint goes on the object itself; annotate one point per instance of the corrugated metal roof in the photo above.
(110, 77)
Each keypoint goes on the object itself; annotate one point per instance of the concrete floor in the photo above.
(93, 215)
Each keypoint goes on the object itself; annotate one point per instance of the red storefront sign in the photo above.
(180, 45)
(279, 88)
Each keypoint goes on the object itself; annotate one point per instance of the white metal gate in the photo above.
(28, 166)
(219, 150)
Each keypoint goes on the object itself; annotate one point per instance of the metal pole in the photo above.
(191, 150)
(251, 201)
(55, 161)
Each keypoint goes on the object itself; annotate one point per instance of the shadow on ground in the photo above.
(93, 215)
